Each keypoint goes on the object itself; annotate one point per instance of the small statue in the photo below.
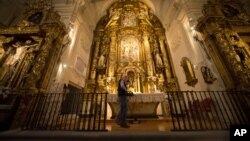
(207, 75)
(158, 60)
(101, 61)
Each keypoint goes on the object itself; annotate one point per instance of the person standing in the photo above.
(122, 94)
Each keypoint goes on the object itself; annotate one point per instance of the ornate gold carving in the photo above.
(228, 50)
(101, 61)
(158, 60)
(27, 59)
(129, 19)
(129, 49)
(40, 63)
(125, 48)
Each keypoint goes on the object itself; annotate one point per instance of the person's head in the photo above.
(124, 77)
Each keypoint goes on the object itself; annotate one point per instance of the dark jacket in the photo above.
(121, 91)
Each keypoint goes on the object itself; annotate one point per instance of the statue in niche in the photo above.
(158, 60)
(233, 38)
(131, 81)
(207, 75)
(238, 47)
(242, 58)
(101, 61)
(189, 72)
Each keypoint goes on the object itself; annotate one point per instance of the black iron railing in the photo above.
(208, 110)
(190, 110)
(72, 111)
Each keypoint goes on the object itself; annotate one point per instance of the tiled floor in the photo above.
(142, 125)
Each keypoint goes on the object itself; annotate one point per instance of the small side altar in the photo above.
(139, 105)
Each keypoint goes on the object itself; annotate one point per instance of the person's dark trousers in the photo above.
(121, 118)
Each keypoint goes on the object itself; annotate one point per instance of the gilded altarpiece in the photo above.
(130, 40)
(225, 28)
(30, 50)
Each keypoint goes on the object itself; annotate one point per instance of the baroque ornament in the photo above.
(25, 48)
(127, 27)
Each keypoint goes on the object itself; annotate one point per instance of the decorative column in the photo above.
(94, 63)
(219, 27)
(112, 55)
(151, 80)
(171, 83)
(112, 63)
(232, 59)
(148, 56)
(165, 58)
(138, 83)
(40, 62)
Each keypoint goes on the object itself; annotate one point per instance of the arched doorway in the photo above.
(130, 39)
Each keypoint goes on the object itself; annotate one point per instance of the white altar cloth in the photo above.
(139, 105)
(144, 98)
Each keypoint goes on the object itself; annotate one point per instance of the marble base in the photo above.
(139, 105)
(136, 110)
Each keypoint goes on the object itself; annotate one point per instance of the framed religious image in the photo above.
(188, 68)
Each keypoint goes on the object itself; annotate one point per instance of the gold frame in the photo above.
(188, 68)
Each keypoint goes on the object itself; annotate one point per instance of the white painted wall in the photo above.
(182, 44)
(80, 34)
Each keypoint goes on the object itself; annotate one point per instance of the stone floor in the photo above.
(141, 129)
(142, 125)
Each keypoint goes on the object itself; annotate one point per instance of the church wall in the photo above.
(178, 46)
(202, 58)
(65, 11)
(81, 51)
(182, 44)
(74, 59)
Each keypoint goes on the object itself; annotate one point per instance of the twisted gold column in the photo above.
(112, 55)
(94, 63)
(148, 56)
(165, 58)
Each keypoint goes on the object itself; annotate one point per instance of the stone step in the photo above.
(18, 135)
